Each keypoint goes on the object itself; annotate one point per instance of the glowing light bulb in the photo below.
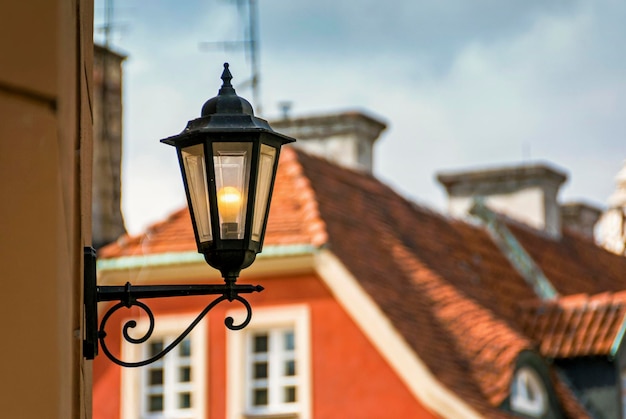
(229, 201)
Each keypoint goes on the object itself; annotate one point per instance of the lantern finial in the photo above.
(226, 76)
(227, 88)
(227, 102)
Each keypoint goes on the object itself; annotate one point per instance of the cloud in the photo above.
(544, 90)
(433, 30)
(461, 84)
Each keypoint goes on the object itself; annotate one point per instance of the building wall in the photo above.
(45, 163)
(527, 193)
(525, 205)
(349, 377)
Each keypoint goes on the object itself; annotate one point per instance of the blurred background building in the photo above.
(107, 219)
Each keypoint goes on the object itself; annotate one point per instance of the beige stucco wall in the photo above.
(45, 164)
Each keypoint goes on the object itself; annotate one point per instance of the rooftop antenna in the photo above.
(285, 108)
(251, 46)
(109, 26)
(108, 19)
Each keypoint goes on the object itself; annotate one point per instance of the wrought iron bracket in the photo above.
(129, 295)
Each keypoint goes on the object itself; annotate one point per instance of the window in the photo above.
(271, 374)
(172, 387)
(528, 393)
(166, 385)
(269, 363)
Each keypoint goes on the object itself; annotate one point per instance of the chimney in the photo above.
(580, 218)
(525, 193)
(107, 219)
(345, 138)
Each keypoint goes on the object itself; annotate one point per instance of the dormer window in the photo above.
(528, 393)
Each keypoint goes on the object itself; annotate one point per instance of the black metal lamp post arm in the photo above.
(128, 296)
(155, 293)
(128, 293)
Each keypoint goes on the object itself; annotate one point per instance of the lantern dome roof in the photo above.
(225, 113)
(227, 101)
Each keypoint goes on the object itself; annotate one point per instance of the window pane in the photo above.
(271, 369)
(290, 394)
(155, 403)
(232, 174)
(290, 342)
(156, 346)
(259, 397)
(185, 348)
(184, 400)
(195, 174)
(260, 370)
(266, 169)
(184, 374)
(260, 343)
(290, 367)
(155, 377)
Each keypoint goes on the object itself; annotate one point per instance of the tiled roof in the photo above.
(439, 281)
(486, 340)
(577, 325)
(574, 264)
(443, 283)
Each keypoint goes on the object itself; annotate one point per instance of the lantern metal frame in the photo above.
(226, 118)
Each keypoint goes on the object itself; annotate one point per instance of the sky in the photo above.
(461, 85)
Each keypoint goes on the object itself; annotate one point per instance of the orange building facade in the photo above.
(346, 377)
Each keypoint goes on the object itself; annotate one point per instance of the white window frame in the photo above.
(238, 385)
(133, 379)
(275, 359)
(534, 402)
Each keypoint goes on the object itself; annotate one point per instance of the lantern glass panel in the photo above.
(232, 177)
(195, 174)
(264, 182)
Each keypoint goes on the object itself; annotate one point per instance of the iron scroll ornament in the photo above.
(129, 296)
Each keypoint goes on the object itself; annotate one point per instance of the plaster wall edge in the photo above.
(383, 335)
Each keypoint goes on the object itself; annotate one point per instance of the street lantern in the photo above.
(228, 159)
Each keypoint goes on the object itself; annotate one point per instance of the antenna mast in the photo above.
(251, 46)
(253, 36)
(106, 28)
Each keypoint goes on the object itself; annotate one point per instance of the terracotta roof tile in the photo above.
(574, 264)
(490, 344)
(577, 325)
